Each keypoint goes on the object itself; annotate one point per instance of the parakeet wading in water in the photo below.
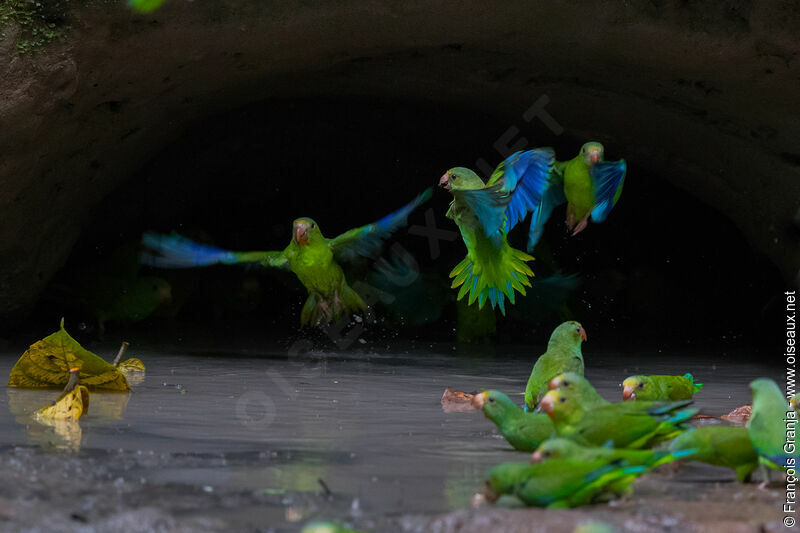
(588, 184)
(312, 257)
(485, 213)
(563, 355)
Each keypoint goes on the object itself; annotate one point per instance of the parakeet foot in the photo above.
(581, 225)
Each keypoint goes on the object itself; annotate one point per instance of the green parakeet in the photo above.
(561, 483)
(660, 388)
(588, 184)
(322, 526)
(769, 423)
(615, 423)
(558, 448)
(312, 257)
(720, 445)
(563, 355)
(485, 213)
(524, 431)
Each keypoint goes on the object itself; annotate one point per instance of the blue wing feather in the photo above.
(174, 251)
(552, 198)
(608, 178)
(525, 177)
(367, 240)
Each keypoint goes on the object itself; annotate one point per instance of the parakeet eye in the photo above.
(577, 330)
(562, 400)
(548, 454)
(565, 383)
(491, 400)
(641, 385)
(453, 177)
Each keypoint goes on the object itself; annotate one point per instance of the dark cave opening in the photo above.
(665, 269)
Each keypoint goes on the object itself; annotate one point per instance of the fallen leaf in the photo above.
(46, 364)
(69, 406)
(740, 415)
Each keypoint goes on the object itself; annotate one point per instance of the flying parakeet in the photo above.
(720, 445)
(660, 388)
(561, 483)
(563, 355)
(485, 213)
(558, 448)
(615, 423)
(588, 184)
(312, 257)
(767, 426)
(524, 431)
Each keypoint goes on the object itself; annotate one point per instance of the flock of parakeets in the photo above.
(586, 449)
(527, 183)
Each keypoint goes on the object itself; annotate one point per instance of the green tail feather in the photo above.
(494, 278)
(318, 310)
(697, 386)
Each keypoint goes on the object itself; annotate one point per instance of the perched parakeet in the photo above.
(563, 355)
(485, 213)
(720, 445)
(769, 423)
(616, 423)
(660, 388)
(524, 431)
(588, 184)
(312, 257)
(561, 483)
(558, 448)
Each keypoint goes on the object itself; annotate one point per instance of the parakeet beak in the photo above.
(301, 233)
(548, 402)
(536, 457)
(627, 393)
(594, 156)
(478, 400)
(554, 383)
(584, 337)
(444, 181)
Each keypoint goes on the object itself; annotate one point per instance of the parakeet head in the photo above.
(493, 403)
(460, 179)
(794, 402)
(554, 449)
(571, 382)
(569, 333)
(557, 404)
(305, 231)
(634, 385)
(764, 388)
(158, 290)
(592, 152)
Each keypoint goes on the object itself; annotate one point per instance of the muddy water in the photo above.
(266, 441)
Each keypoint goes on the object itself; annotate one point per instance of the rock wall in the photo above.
(704, 93)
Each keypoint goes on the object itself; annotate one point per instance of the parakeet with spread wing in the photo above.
(589, 185)
(312, 257)
(485, 213)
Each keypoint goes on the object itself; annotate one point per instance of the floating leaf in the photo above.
(46, 364)
(70, 406)
(133, 364)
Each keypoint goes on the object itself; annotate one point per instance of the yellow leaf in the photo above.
(46, 364)
(131, 365)
(70, 406)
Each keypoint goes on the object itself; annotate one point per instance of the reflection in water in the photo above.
(61, 434)
(371, 426)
